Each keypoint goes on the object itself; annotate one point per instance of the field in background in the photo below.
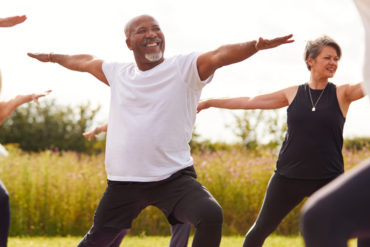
(130, 241)
(56, 193)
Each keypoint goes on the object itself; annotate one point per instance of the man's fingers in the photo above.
(40, 56)
(33, 55)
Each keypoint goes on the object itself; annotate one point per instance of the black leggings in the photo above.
(339, 211)
(4, 215)
(282, 195)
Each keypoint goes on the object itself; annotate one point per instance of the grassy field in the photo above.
(56, 193)
(132, 241)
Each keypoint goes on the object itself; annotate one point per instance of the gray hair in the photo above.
(314, 47)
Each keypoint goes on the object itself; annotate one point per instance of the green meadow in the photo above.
(150, 241)
(56, 193)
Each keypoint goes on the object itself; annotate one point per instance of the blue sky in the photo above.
(96, 27)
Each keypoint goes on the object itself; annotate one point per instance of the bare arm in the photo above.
(81, 63)
(348, 93)
(8, 107)
(209, 62)
(12, 20)
(274, 100)
(91, 134)
(354, 92)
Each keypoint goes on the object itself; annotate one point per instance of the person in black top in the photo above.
(341, 210)
(310, 156)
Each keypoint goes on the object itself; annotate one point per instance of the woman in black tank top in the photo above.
(341, 209)
(310, 156)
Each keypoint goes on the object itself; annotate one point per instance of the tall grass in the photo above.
(56, 193)
(135, 241)
(52, 193)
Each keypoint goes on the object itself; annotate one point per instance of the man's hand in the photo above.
(42, 57)
(271, 43)
(12, 21)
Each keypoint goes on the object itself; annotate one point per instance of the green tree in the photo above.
(255, 127)
(49, 126)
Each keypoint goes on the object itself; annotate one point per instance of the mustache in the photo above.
(146, 41)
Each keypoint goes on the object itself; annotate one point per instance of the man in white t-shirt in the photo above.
(341, 210)
(179, 232)
(152, 113)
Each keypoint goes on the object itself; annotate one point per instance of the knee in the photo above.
(315, 219)
(211, 214)
(308, 220)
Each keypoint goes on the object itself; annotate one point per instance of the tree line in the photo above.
(51, 126)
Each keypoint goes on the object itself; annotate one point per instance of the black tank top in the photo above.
(312, 148)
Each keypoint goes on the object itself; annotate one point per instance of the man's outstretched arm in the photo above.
(81, 63)
(209, 62)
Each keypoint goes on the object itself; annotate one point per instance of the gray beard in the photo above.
(154, 57)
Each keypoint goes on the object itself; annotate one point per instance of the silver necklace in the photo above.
(317, 101)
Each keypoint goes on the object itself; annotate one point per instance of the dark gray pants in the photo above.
(179, 236)
(181, 198)
(339, 211)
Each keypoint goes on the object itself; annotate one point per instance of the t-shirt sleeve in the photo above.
(187, 66)
(110, 70)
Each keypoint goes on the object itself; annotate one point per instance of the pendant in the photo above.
(313, 108)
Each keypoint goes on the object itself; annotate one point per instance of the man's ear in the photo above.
(128, 43)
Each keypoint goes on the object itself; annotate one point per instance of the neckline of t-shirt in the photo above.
(149, 70)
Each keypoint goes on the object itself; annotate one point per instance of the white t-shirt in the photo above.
(152, 114)
(363, 7)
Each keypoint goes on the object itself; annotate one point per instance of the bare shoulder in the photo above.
(343, 87)
(348, 86)
(290, 93)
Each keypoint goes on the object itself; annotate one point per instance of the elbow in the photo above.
(219, 58)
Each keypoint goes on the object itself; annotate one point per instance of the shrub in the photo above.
(50, 126)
